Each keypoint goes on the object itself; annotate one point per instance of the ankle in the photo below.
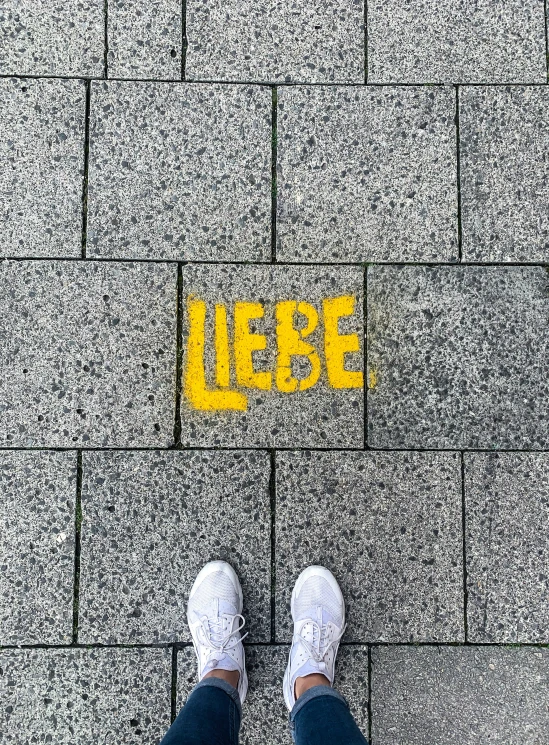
(309, 681)
(229, 676)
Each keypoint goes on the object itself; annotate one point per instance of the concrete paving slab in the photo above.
(180, 172)
(366, 174)
(151, 520)
(507, 518)
(504, 136)
(87, 354)
(52, 38)
(37, 501)
(79, 696)
(144, 39)
(388, 525)
(457, 357)
(265, 717)
(42, 155)
(427, 41)
(268, 367)
(460, 695)
(264, 714)
(275, 42)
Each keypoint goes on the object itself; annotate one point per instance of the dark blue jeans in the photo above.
(212, 714)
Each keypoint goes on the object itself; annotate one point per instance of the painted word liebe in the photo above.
(290, 342)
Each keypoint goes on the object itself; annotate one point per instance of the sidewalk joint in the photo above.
(174, 684)
(77, 547)
(184, 40)
(86, 170)
(365, 42)
(274, 163)
(106, 40)
(272, 496)
(458, 177)
(369, 694)
(546, 40)
(464, 556)
(365, 353)
(178, 359)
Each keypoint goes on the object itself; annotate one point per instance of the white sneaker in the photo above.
(318, 612)
(214, 614)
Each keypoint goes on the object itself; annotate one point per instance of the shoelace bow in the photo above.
(320, 634)
(217, 639)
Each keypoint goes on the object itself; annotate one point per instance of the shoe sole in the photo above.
(316, 571)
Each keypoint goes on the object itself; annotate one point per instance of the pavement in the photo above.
(274, 289)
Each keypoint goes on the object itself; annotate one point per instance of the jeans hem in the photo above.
(314, 692)
(226, 687)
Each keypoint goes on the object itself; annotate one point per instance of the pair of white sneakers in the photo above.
(215, 618)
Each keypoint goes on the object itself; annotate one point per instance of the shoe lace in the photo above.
(320, 645)
(218, 638)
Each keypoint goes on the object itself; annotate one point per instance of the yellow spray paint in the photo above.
(222, 354)
(195, 377)
(337, 345)
(290, 342)
(245, 342)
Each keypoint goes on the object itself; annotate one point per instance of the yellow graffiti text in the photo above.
(296, 322)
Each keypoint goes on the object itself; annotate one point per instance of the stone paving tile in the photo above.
(273, 42)
(504, 136)
(460, 696)
(52, 38)
(42, 156)
(151, 520)
(265, 717)
(80, 696)
(37, 500)
(367, 174)
(180, 172)
(389, 526)
(507, 515)
(87, 354)
(144, 39)
(322, 411)
(427, 41)
(457, 357)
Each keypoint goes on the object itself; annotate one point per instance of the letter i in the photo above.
(222, 361)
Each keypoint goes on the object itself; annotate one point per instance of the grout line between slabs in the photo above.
(370, 694)
(174, 684)
(178, 359)
(106, 40)
(285, 645)
(271, 83)
(267, 263)
(184, 40)
(86, 170)
(267, 448)
(366, 374)
(464, 552)
(272, 504)
(274, 163)
(546, 40)
(365, 42)
(77, 547)
(458, 179)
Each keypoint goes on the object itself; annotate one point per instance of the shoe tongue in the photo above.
(221, 607)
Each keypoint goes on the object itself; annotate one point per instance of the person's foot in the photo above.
(214, 614)
(318, 612)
